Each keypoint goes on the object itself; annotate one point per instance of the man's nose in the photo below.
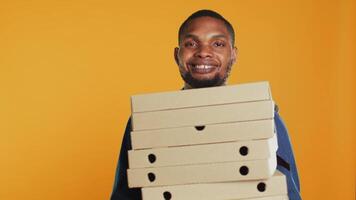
(204, 51)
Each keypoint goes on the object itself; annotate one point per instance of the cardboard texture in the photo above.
(204, 173)
(199, 116)
(211, 133)
(201, 97)
(199, 154)
(274, 188)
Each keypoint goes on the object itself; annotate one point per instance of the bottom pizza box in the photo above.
(264, 189)
(283, 197)
(202, 173)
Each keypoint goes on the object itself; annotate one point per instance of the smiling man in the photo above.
(206, 52)
(205, 57)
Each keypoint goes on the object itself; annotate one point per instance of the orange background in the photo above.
(68, 68)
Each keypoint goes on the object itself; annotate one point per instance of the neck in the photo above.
(187, 86)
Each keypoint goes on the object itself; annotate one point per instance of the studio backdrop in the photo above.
(68, 69)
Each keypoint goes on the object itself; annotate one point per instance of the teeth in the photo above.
(204, 66)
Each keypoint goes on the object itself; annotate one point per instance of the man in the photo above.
(205, 56)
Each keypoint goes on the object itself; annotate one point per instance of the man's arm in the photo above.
(121, 190)
(285, 158)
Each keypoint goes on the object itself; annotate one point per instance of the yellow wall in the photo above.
(68, 68)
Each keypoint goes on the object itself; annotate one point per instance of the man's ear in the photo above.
(234, 56)
(176, 50)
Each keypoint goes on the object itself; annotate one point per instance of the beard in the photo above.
(195, 83)
(215, 81)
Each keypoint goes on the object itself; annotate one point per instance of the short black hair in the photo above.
(207, 13)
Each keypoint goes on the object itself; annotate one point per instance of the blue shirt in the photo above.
(285, 163)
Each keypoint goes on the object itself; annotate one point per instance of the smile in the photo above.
(203, 66)
(202, 69)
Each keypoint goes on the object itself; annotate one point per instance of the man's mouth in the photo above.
(202, 69)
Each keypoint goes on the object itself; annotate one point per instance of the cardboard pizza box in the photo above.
(202, 173)
(274, 188)
(246, 92)
(202, 116)
(211, 133)
(200, 154)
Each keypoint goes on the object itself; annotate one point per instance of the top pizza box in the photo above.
(247, 92)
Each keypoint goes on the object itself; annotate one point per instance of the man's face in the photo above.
(205, 54)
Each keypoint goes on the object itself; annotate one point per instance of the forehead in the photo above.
(206, 25)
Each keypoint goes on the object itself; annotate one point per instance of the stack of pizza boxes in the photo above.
(214, 143)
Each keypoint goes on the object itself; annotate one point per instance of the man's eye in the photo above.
(219, 44)
(190, 44)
